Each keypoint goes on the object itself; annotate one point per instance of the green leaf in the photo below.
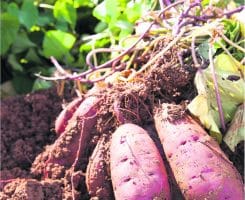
(57, 43)
(101, 26)
(236, 131)
(205, 2)
(64, 11)
(203, 49)
(231, 28)
(9, 28)
(22, 83)
(219, 3)
(32, 56)
(62, 25)
(45, 19)
(83, 3)
(204, 106)
(109, 11)
(14, 63)
(239, 17)
(88, 46)
(13, 9)
(100, 12)
(22, 43)
(44, 70)
(135, 9)
(28, 14)
(40, 84)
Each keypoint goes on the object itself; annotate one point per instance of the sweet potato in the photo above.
(137, 169)
(97, 177)
(200, 168)
(65, 115)
(72, 143)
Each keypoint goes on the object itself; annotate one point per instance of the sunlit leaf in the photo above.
(64, 11)
(57, 43)
(94, 44)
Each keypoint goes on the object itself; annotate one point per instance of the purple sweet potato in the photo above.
(200, 168)
(97, 176)
(137, 169)
(66, 114)
(73, 141)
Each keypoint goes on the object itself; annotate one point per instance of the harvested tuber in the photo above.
(97, 177)
(73, 142)
(66, 114)
(137, 169)
(200, 168)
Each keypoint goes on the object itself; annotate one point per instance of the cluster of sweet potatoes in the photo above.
(126, 164)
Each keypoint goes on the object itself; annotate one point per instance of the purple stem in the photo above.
(203, 18)
(185, 23)
(95, 51)
(239, 9)
(58, 66)
(217, 94)
(180, 57)
(182, 16)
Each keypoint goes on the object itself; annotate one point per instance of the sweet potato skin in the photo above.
(97, 174)
(201, 169)
(65, 115)
(137, 169)
(64, 150)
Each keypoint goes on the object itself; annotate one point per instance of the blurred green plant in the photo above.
(32, 31)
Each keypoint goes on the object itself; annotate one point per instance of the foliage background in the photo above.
(32, 31)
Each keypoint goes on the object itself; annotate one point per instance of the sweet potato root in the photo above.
(66, 114)
(97, 176)
(137, 169)
(201, 169)
(71, 144)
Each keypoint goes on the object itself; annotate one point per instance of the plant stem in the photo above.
(216, 88)
(44, 5)
(193, 52)
(59, 68)
(231, 43)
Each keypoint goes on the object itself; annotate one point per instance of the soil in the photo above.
(27, 126)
